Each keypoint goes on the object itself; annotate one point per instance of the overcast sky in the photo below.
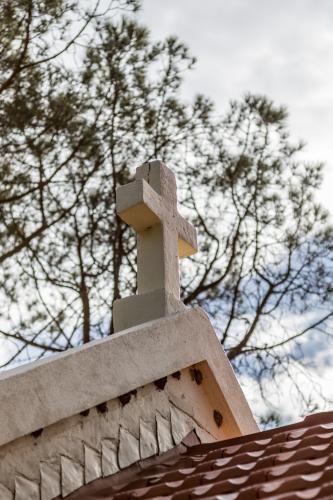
(283, 49)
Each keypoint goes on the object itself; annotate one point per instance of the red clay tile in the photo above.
(294, 462)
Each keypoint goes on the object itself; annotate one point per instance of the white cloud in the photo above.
(282, 49)
(315, 381)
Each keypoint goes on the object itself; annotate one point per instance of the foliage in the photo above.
(85, 98)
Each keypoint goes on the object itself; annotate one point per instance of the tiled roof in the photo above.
(291, 462)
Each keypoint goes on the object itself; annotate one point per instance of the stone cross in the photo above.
(149, 205)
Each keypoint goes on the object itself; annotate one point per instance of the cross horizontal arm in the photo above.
(139, 205)
(187, 238)
(149, 206)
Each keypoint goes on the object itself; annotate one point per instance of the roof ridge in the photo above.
(313, 419)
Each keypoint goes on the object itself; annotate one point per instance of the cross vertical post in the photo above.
(149, 205)
(158, 265)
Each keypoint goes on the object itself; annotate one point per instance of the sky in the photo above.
(281, 49)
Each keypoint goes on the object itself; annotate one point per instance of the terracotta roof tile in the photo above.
(288, 463)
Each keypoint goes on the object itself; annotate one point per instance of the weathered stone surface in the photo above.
(158, 260)
(130, 359)
(72, 475)
(69, 436)
(164, 436)
(126, 377)
(5, 493)
(148, 439)
(133, 360)
(139, 204)
(181, 424)
(145, 307)
(128, 451)
(149, 205)
(163, 181)
(92, 464)
(50, 480)
(204, 436)
(25, 489)
(109, 457)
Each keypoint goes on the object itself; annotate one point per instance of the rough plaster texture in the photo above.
(82, 448)
(37, 395)
(70, 419)
(139, 399)
(145, 307)
(141, 204)
(149, 205)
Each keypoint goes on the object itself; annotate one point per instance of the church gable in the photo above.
(95, 410)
